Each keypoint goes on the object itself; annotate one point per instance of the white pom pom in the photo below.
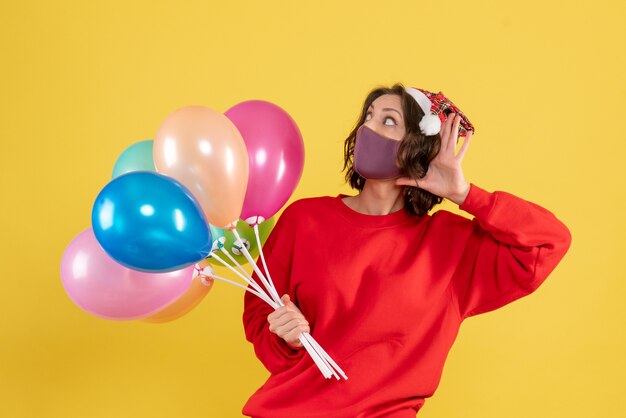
(430, 124)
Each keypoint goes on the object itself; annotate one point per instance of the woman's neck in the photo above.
(378, 197)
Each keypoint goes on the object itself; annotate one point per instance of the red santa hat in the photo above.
(436, 107)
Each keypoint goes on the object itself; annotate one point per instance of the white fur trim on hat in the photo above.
(430, 124)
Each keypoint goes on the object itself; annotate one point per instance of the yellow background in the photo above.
(543, 82)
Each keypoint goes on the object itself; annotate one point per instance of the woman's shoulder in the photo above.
(313, 201)
(307, 204)
(445, 219)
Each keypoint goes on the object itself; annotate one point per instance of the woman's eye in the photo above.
(369, 114)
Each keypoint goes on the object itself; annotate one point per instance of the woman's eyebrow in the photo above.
(388, 108)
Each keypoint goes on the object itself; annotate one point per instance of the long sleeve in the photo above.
(513, 247)
(274, 352)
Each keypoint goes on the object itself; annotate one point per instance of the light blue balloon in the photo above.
(137, 157)
(150, 222)
(217, 233)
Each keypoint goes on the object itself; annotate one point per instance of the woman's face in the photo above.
(385, 117)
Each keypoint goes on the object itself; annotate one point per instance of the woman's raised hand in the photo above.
(445, 176)
(288, 322)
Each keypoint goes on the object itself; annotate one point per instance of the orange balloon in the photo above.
(199, 288)
(203, 150)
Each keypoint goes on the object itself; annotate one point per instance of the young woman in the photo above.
(382, 285)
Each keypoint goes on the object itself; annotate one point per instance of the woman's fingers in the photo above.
(295, 323)
(292, 329)
(454, 133)
(449, 133)
(288, 322)
(294, 333)
(277, 314)
(465, 145)
(283, 315)
(289, 304)
(281, 320)
(445, 128)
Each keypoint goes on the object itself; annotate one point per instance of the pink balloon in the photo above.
(102, 287)
(275, 153)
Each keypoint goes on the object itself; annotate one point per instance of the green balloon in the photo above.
(247, 235)
(137, 157)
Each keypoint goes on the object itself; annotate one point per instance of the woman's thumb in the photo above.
(407, 181)
(285, 298)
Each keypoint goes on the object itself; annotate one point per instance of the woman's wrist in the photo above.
(295, 347)
(460, 196)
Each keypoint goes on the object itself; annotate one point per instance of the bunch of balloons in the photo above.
(174, 204)
(172, 200)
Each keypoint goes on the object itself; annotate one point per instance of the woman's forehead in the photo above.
(387, 100)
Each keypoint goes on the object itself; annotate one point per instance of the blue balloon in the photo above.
(150, 222)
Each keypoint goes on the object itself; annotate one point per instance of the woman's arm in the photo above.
(513, 244)
(513, 247)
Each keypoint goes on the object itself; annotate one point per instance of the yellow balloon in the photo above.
(199, 288)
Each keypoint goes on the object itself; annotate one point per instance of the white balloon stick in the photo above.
(307, 337)
(258, 243)
(269, 287)
(316, 358)
(239, 266)
(262, 296)
(325, 355)
(248, 279)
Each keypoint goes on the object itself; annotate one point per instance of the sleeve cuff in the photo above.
(478, 202)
